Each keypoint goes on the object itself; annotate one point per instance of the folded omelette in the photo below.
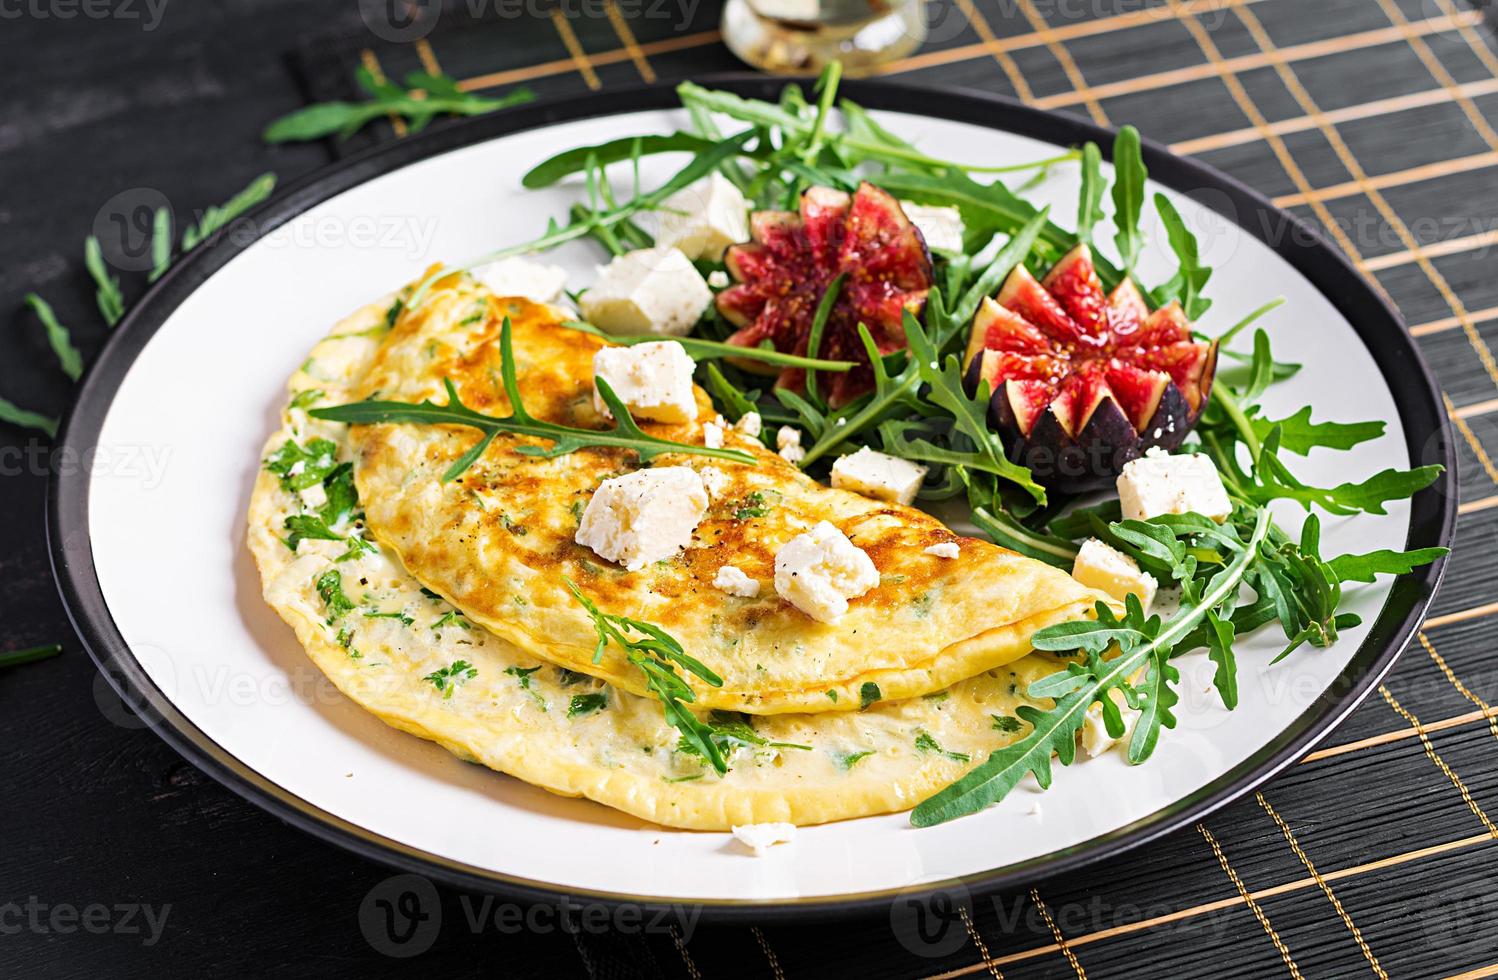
(410, 657)
(498, 542)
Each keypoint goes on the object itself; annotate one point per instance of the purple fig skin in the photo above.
(1093, 458)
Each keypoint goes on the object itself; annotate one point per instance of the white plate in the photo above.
(151, 553)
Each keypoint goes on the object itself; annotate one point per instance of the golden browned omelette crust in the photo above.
(498, 542)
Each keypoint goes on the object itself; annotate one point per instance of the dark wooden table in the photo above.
(1375, 856)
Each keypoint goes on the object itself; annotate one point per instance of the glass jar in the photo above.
(799, 37)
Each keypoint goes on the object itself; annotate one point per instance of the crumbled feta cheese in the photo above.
(652, 290)
(712, 435)
(714, 480)
(760, 837)
(1034, 810)
(704, 218)
(788, 442)
(940, 226)
(946, 549)
(750, 424)
(644, 516)
(516, 276)
(718, 279)
(313, 496)
(1159, 483)
(878, 475)
(653, 380)
(1094, 734)
(1101, 566)
(297, 468)
(733, 581)
(819, 571)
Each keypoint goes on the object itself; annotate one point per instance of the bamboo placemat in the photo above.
(1376, 120)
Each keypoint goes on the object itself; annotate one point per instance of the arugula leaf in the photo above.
(1142, 643)
(657, 655)
(161, 244)
(925, 743)
(1186, 285)
(14, 658)
(215, 219)
(847, 760)
(15, 415)
(57, 336)
(1090, 206)
(1129, 175)
(708, 350)
(523, 675)
(564, 438)
(969, 412)
(448, 679)
(818, 324)
(700, 166)
(586, 704)
(110, 300)
(330, 589)
(1299, 435)
(424, 97)
(1363, 568)
(300, 467)
(575, 160)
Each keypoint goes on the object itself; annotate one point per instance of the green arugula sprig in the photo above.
(1142, 644)
(699, 167)
(711, 350)
(14, 658)
(564, 439)
(424, 97)
(58, 337)
(657, 655)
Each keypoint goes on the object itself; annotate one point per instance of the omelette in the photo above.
(428, 667)
(498, 542)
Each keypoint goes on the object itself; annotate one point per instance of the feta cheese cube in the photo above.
(714, 480)
(313, 496)
(819, 571)
(718, 279)
(652, 290)
(1159, 483)
(940, 226)
(653, 380)
(733, 581)
(712, 435)
(703, 219)
(878, 475)
(1101, 566)
(946, 549)
(643, 517)
(516, 276)
(1094, 734)
(760, 837)
(750, 424)
(788, 440)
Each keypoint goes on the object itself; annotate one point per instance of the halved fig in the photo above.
(1084, 381)
(790, 260)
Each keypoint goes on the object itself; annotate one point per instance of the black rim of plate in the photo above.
(1432, 511)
